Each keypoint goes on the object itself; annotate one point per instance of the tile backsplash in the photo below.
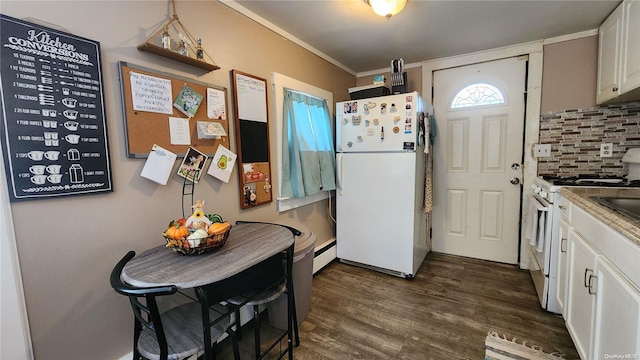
(575, 137)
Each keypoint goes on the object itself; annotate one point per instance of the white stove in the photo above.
(543, 214)
(543, 199)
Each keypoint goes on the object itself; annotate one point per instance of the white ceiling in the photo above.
(351, 34)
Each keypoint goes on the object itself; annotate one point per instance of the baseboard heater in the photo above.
(324, 254)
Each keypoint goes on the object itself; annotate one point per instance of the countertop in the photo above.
(580, 196)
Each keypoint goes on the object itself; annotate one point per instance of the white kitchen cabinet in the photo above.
(580, 298)
(563, 270)
(630, 58)
(602, 300)
(609, 41)
(617, 313)
(619, 55)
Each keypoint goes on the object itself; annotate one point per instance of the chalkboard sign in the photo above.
(252, 137)
(54, 134)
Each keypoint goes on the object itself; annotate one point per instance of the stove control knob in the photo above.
(543, 194)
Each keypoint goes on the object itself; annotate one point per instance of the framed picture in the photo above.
(192, 165)
(53, 133)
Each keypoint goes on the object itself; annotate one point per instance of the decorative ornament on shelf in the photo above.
(199, 50)
(160, 43)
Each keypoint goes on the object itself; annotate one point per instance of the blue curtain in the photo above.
(308, 157)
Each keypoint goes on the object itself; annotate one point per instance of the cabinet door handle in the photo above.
(562, 242)
(586, 280)
(562, 207)
(590, 289)
(615, 88)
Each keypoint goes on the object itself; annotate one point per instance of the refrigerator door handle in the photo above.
(339, 171)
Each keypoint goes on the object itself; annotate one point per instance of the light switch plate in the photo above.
(541, 150)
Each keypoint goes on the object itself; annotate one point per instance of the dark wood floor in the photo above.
(444, 312)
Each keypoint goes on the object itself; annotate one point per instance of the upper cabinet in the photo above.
(630, 59)
(619, 55)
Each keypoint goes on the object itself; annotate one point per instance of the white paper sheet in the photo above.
(159, 165)
(179, 131)
(216, 104)
(151, 94)
(222, 164)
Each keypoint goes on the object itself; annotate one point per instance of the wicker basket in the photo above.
(210, 243)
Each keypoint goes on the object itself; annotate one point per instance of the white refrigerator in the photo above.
(380, 160)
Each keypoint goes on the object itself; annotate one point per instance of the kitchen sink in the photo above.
(626, 206)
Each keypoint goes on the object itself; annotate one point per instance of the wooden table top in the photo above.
(247, 245)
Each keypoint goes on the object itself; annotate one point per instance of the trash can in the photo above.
(302, 275)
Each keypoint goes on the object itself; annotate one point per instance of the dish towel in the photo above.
(534, 226)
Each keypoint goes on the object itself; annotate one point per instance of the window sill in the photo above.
(286, 204)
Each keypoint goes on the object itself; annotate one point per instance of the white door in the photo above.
(479, 112)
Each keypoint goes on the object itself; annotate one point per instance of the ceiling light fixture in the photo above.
(386, 8)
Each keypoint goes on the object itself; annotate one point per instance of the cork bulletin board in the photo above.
(144, 128)
(252, 139)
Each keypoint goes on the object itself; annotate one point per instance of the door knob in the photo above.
(515, 166)
(515, 181)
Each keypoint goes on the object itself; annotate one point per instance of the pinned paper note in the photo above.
(192, 165)
(222, 164)
(188, 101)
(216, 104)
(210, 130)
(179, 131)
(158, 165)
(150, 93)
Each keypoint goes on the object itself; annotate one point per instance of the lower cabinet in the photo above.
(580, 302)
(617, 314)
(601, 304)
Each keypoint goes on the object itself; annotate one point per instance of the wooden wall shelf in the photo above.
(155, 49)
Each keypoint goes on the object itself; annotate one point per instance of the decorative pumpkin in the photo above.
(219, 228)
(177, 231)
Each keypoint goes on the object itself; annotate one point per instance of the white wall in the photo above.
(15, 340)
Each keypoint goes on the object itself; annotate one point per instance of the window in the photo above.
(477, 95)
(308, 165)
(312, 110)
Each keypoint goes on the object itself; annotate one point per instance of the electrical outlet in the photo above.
(606, 150)
(541, 150)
